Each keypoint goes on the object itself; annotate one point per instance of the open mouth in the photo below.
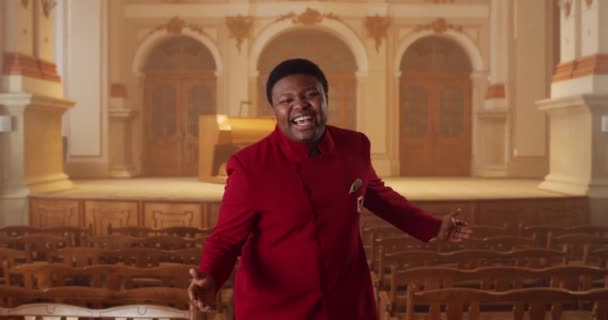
(303, 122)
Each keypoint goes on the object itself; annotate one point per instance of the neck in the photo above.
(313, 150)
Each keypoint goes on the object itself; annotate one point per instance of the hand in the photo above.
(202, 291)
(452, 229)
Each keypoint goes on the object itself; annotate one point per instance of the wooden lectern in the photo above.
(220, 136)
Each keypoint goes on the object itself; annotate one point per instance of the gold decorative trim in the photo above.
(439, 25)
(239, 28)
(589, 3)
(25, 3)
(308, 17)
(48, 6)
(377, 28)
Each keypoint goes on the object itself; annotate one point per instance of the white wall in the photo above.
(530, 79)
(85, 65)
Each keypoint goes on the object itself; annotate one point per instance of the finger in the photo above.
(454, 213)
(201, 305)
(201, 283)
(194, 273)
(191, 294)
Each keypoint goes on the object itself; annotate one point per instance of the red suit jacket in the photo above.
(295, 224)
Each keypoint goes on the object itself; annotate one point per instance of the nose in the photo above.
(301, 103)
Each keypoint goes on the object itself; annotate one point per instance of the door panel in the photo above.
(162, 127)
(199, 99)
(453, 139)
(416, 136)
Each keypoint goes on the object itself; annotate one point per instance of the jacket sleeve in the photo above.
(235, 221)
(389, 205)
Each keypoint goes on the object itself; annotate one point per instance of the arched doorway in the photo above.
(180, 86)
(435, 109)
(333, 57)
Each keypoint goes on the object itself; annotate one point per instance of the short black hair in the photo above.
(294, 66)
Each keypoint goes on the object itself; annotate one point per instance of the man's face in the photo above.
(300, 107)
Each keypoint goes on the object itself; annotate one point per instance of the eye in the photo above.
(285, 100)
(311, 94)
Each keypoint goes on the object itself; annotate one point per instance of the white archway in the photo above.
(152, 40)
(333, 27)
(465, 42)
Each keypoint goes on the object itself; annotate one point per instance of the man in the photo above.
(291, 210)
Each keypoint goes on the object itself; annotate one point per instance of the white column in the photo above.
(578, 107)
(499, 53)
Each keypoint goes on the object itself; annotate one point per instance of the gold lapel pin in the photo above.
(355, 186)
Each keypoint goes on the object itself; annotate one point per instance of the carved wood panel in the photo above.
(163, 214)
(54, 212)
(563, 212)
(100, 214)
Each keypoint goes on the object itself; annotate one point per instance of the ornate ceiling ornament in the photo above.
(239, 27)
(48, 6)
(377, 27)
(589, 2)
(439, 26)
(308, 17)
(25, 3)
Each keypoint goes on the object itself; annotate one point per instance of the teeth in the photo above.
(302, 118)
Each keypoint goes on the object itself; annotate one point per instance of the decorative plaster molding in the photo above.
(48, 6)
(25, 3)
(589, 3)
(239, 28)
(176, 26)
(308, 17)
(439, 26)
(377, 27)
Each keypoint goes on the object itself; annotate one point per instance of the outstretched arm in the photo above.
(235, 221)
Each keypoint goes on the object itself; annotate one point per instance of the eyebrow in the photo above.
(305, 89)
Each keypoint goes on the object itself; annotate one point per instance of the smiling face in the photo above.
(300, 107)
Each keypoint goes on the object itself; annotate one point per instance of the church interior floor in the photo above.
(185, 189)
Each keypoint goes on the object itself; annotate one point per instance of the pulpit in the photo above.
(220, 136)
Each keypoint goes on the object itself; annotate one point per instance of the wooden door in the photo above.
(435, 111)
(174, 105)
(435, 127)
